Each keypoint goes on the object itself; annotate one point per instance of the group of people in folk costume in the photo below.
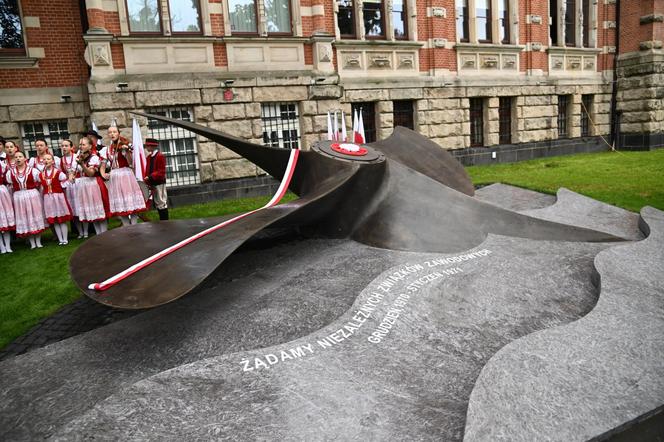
(84, 186)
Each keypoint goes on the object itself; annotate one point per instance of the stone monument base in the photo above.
(315, 339)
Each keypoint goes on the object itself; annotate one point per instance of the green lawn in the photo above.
(36, 283)
(626, 179)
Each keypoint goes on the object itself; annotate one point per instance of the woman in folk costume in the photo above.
(56, 208)
(125, 196)
(7, 220)
(42, 150)
(10, 150)
(90, 190)
(69, 167)
(28, 208)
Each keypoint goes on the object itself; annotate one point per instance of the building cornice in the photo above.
(18, 62)
(472, 47)
(378, 43)
(572, 50)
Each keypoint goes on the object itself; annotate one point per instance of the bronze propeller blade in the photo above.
(405, 193)
(178, 273)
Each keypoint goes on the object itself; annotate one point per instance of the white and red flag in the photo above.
(138, 152)
(330, 134)
(358, 128)
(336, 127)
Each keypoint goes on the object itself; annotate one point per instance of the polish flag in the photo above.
(355, 136)
(138, 152)
(358, 130)
(330, 135)
(344, 135)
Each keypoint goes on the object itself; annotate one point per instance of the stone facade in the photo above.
(640, 100)
(640, 75)
(441, 112)
(224, 79)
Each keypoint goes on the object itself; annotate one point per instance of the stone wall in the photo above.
(43, 104)
(441, 110)
(641, 99)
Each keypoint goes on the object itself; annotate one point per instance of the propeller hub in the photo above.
(348, 151)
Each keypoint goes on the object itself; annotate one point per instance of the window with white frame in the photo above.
(178, 146)
(51, 131)
(281, 125)
(572, 23)
(372, 19)
(244, 17)
(157, 16)
(485, 21)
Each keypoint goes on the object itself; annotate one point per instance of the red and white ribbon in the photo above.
(283, 187)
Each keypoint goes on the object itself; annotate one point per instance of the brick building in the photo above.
(495, 80)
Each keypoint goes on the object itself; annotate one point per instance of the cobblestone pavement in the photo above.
(79, 317)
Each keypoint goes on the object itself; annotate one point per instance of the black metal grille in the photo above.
(563, 108)
(178, 146)
(505, 120)
(587, 101)
(476, 122)
(368, 118)
(403, 114)
(51, 131)
(281, 125)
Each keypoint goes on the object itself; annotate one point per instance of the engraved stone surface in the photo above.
(593, 375)
(318, 339)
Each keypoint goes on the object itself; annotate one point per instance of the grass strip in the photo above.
(629, 180)
(37, 282)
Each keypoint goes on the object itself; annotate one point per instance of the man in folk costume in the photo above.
(124, 194)
(155, 177)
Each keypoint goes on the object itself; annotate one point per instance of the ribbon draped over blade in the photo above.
(281, 191)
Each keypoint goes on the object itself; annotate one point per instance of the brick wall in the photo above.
(606, 37)
(60, 36)
(534, 32)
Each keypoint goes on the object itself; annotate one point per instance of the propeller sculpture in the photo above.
(404, 193)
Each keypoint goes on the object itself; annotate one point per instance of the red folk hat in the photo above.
(151, 142)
